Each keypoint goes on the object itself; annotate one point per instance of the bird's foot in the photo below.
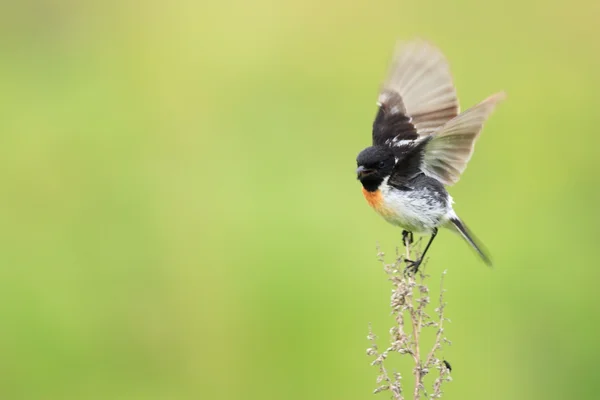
(407, 238)
(412, 267)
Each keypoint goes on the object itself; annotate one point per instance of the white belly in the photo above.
(419, 210)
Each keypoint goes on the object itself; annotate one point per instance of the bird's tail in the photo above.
(457, 225)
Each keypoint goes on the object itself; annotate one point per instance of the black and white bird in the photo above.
(421, 143)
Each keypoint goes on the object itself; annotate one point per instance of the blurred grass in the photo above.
(181, 217)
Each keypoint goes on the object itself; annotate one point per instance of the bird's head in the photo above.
(374, 164)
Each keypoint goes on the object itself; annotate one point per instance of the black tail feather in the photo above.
(471, 239)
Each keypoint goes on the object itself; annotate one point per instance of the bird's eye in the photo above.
(381, 164)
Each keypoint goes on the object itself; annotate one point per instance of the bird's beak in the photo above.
(362, 172)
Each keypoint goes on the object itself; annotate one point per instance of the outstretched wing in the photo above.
(417, 97)
(447, 153)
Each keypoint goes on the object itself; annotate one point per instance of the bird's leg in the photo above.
(407, 238)
(413, 266)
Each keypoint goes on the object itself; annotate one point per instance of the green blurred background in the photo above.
(181, 219)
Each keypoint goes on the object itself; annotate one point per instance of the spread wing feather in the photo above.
(418, 95)
(447, 153)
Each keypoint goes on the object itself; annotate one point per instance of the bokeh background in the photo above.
(180, 217)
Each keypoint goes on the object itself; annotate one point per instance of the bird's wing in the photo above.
(417, 97)
(447, 153)
(409, 158)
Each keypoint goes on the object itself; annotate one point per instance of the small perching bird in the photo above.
(421, 143)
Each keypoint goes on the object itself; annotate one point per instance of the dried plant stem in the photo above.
(440, 311)
(415, 319)
(410, 298)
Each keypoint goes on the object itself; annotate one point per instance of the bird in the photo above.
(421, 143)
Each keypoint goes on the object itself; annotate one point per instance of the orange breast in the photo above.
(373, 198)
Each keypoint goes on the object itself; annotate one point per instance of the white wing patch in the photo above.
(396, 142)
(450, 149)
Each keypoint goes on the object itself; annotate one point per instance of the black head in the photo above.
(374, 164)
